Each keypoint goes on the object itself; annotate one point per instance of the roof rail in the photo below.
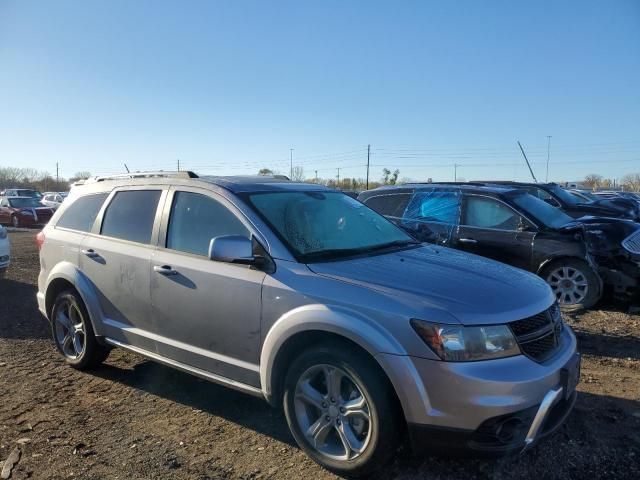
(150, 174)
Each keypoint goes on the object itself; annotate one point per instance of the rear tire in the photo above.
(574, 283)
(356, 424)
(73, 333)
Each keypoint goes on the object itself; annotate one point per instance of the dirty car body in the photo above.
(313, 271)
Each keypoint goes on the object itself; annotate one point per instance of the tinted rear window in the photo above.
(131, 214)
(391, 204)
(82, 213)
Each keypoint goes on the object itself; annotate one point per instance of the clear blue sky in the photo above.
(230, 86)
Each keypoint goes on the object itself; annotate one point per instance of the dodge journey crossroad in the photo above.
(306, 297)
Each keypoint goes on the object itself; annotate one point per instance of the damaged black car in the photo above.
(579, 258)
(558, 197)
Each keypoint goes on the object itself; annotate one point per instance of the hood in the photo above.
(606, 209)
(473, 289)
(603, 233)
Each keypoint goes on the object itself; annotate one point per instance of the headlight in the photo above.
(456, 343)
(28, 213)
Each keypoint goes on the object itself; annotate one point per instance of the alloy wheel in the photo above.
(332, 412)
(70, 330)
(569, 285)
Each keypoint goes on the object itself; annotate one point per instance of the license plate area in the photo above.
(570, 376)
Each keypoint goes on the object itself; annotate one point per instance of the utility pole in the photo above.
(291, 159)
(368, 158)
(455, 172)
(178, 164)
(316, 176)
(546, 179)
(338, 177)
(57, 173)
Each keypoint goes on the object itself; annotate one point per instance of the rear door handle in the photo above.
(91, 253)
(468, 240)
(164, 270)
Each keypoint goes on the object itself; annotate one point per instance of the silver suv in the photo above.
(306, 297)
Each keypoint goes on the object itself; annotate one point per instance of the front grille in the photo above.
(539, 335)
(632, 242)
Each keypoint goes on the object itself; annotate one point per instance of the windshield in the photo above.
(320, 226)
(29, 193)
(26, 202)
(588, 195)
(550, 217)
(565, 196)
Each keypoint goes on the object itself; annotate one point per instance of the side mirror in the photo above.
(232, 249)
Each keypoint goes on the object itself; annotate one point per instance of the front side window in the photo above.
(389, 204)
(319, 225)
(130, 215)
(196, 219)
(484, 212)
(82, 213)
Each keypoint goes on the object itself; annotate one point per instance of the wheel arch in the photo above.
(66, 276)
(311, 324)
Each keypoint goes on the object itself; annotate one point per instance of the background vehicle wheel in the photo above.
(574, 283)
(73, 333)
(341, 410)
(15, 221)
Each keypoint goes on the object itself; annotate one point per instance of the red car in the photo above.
(23, 211)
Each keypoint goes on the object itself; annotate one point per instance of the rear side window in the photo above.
(82, 213)
(131, 214)
(434, 206)
(196, 219)
(390, 205)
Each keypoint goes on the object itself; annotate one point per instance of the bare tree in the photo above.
(265, 171)
(80, 176)
(297, 174)
(593, 181)
(631, 182)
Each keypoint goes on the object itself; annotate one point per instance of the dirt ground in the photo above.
(135, 419)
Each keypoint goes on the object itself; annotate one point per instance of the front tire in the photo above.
(73, 334)
(574, 283)
(341, 410)
(15, 221)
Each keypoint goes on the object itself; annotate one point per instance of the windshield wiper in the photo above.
(346, 252)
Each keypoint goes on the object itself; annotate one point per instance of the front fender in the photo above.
(349, 324)
(69, 272)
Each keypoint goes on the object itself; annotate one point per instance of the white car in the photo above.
(4, 251)
(53, 199)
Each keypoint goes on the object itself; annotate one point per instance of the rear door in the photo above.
(206, 313)
(116, 256)
(492, 229)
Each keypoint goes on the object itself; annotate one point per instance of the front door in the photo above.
(492, 229)
(206, 313)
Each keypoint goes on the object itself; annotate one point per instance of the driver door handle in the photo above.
(91, 253)
(468, 240)
(164, 270)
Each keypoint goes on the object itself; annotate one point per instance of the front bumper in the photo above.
(464, 404)
(5, 258)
